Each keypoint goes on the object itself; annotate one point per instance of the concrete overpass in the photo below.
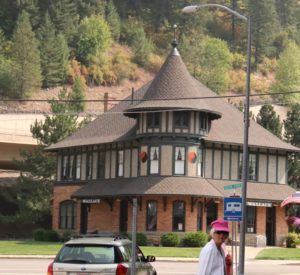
(15, 135)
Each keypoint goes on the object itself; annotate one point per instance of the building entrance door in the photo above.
(211, 214)
(84, 213)
(123, 215)
(271, 225)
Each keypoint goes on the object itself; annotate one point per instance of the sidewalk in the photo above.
(250, 254)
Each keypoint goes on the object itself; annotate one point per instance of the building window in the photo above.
(120, 166)
(78, 166)
(154, 160)
(200, 163)
(67, 215)
(151, 216)
(89, 165)
(252, 166)
(101, 165)
(153, 120)
(179, 161)
(72, 167)
(64, 174)
(178, 216)
(199, 216)
(181, 119)
(251, 219)
(203, 122)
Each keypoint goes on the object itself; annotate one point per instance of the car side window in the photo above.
(126, 253)
(140, 255)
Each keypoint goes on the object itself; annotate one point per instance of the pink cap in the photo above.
(220, 225)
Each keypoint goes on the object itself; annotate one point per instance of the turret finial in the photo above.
(174, 42)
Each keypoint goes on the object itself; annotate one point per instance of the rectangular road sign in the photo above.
(233, 209)
(232, 186)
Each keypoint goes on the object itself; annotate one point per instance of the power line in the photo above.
(142, 100)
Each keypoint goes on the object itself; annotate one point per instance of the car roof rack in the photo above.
(115, 236)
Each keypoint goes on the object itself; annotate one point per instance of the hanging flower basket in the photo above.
(143, 156)
(192, 157)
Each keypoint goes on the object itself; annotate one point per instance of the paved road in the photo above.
(39, 267)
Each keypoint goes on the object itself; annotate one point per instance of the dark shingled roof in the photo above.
(272, 192)
(148, 186)
(198, 187)
(173, 81)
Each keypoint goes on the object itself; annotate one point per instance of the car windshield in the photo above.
(92, 254)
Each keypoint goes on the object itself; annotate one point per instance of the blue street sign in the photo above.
(233, 209)
(232, 186)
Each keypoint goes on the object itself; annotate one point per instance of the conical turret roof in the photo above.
(174, 88)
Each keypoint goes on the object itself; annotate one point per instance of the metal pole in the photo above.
(245, 155)
(193, 8)
(134, 212)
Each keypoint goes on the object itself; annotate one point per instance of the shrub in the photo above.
(169, 239)
(292, 240)
(51, 236)
(66, 236)
(155, 63)
(195, 239)
(38, 234)
(141, 238)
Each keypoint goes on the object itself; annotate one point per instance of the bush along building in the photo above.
(174, 147)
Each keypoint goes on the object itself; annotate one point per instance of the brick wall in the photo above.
(103, 219)
(281, 226)
(61, 193)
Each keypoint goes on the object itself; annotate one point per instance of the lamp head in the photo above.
(189, 9)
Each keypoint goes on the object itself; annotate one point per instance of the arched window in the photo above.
(151, 216)
(179, 216)
(67, 215)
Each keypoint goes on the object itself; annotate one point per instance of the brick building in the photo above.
(173, 145)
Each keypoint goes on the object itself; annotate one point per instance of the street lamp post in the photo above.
(191, 9)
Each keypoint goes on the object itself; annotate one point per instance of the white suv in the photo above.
(99, 256)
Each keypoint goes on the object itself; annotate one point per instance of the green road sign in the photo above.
(232, 186)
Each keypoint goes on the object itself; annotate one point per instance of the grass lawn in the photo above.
(279, 254)
(29, 247)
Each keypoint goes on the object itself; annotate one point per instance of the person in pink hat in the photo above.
(212, 256)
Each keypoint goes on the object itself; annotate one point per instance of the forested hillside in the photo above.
(49, 43)
(75, 49)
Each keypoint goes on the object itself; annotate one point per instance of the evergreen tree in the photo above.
(54, 54)
(113, 20)
(292, 135)
(287, 77)
(78, 94)
(136, 38)
(11, 9)
(6, 69)
(264, 27)
(86, 8)
(26, 58)
(292, 125)
(268, 118)
(64, 15)
(38, 167)
(287, 12)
